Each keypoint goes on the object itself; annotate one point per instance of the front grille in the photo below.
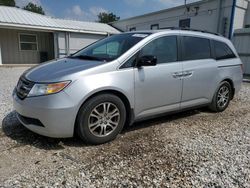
(23, 87)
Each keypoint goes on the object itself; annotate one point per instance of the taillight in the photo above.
(241, 68)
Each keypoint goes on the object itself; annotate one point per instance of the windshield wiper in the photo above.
(86, 57)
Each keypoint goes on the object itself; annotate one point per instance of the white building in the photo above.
(30, 38)
(220, 16)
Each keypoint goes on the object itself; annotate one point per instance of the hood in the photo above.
(56, 69)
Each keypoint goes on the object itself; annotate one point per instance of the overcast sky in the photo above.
(87, 10)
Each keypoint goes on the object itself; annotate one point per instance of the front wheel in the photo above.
(221, 98)
(101, 119)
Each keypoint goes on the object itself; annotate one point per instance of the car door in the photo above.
(158, 88)
(200, 72)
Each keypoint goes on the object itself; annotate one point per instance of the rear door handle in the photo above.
(177, 74)
(187, 74)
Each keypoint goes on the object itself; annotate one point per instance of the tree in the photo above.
(10, 3)
(34, 8)
(105, 17)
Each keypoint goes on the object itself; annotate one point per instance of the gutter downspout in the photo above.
(232, 20)
(219, 15)
(56, 48)
(0, 55)
(67, 39)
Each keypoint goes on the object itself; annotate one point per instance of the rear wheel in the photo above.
(101, 119)
(222, 97)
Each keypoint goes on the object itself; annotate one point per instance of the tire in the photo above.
(101, 119)
(218, 104)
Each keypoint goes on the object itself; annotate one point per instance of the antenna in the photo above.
(187, 7)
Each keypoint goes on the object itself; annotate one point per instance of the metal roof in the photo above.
(17, 17)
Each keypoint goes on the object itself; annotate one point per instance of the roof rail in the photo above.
(190, 29)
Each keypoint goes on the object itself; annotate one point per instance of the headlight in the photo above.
(47, 89)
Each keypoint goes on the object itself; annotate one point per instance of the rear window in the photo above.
(195, 48)
(222, 51)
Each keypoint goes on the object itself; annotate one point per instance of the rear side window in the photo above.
(222, 51)
(195, 48)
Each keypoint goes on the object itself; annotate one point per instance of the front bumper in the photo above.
(57, 114)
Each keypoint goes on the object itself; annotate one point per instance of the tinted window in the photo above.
(196, 48)
(165, 49)
(222, 51)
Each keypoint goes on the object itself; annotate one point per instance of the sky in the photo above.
(87, 10)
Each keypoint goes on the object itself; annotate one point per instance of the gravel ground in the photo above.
(190, 149)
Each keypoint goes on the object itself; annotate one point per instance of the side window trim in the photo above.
(179, 48)
(212, 49)
(139, 49)
(122, 66)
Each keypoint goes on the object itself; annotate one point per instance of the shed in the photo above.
(30, 38)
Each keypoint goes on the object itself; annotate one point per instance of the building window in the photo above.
(185, 23)
(155, 27)
(132, 29)
(28, 42)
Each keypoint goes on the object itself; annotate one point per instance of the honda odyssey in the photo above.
(126, 78)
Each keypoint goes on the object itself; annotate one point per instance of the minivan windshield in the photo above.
(111, 47)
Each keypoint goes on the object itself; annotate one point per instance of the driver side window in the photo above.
(164, 49)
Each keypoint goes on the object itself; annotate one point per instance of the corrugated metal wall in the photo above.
(241, 42)
(11, 54)
(76, 41)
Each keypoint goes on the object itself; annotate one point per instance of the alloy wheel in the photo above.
(223, 96)
(104, 119)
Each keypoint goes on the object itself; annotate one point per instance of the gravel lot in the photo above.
(190, 149)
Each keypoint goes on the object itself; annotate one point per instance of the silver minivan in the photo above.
(126, 78)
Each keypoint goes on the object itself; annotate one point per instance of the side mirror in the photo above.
(147, 60)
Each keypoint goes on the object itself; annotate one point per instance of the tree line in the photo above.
(103, 17)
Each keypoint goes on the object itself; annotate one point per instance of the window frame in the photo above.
(132, 29)
(20, 42)
(137, 52)
(186, 19)
(214, 52)
(155, 25)
(194, 36)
